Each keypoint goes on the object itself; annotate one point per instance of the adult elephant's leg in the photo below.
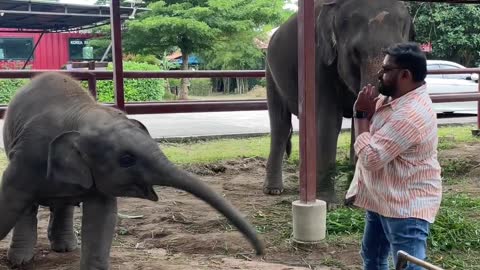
(329, 119)
(60, 229)
(280, 133)
(98, 227)
(24, 238)
(353, 157)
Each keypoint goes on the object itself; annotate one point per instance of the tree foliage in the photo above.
(453, 30)
(211, 28)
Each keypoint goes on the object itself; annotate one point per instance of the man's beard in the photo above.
(386, 90)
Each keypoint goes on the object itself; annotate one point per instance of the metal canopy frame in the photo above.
(29, 16)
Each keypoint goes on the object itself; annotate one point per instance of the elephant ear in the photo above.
(140, 125)
(326, 39)
(65, 162)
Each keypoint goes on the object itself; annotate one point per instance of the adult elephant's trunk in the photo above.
(169, 175)
(369, 71)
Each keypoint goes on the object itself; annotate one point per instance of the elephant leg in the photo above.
(280, 133)
(60, 229)
(24, 238)
(353, 157)
(329, 121)
(98, 228)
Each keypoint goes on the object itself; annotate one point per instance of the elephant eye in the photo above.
(127, 160)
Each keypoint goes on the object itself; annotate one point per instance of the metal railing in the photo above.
(91, 76)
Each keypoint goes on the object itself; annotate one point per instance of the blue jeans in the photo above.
(383, 234)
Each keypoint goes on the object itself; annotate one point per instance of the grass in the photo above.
(224, 149)
(454, 242)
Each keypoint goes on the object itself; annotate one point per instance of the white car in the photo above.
(451, 83)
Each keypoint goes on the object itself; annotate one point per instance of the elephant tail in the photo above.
(288, 149)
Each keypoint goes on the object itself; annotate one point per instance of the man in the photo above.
(397, 177)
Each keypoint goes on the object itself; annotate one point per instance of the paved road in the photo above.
(220, 124)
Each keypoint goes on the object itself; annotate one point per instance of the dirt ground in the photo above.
(182, 232)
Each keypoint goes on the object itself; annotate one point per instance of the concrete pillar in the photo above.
(309, 221)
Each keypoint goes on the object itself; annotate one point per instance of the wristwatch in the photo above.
(360, 114)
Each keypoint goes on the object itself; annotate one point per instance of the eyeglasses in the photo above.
(386, 69)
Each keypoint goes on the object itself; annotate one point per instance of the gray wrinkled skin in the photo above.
(64, 149)
(350, 36)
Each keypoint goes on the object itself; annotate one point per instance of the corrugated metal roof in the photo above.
(25, 14)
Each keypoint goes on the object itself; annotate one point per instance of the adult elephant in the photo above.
(65, 149)
(350, 38)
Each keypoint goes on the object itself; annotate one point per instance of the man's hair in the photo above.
(408, 55)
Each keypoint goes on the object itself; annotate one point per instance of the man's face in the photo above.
(388, 77)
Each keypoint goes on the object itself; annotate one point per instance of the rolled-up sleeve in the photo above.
(376, 150)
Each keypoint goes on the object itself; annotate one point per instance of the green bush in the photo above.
(8, 87)
(135, 89)
(200, 87)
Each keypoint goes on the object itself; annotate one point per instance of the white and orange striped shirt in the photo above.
(397, 173)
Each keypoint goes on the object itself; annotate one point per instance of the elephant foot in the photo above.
(272, 191)
(65, 244)
(328, 196)
(19, 257)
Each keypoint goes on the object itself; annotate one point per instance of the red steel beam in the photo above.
(108, 75)
(188, 107)
(116, 25)
(185, 106)
(306, 100)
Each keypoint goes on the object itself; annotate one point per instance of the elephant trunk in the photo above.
(369, 72)
(173, 177)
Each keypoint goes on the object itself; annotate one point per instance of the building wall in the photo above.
(51, 52)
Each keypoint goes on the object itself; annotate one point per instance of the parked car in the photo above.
(451, 83)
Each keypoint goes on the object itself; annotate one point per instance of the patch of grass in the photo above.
(455, 167)
(344, 220)
(275, 219)
(224, 149)
(465, 260)
(456, 227)
(450, 136)
(216, 150)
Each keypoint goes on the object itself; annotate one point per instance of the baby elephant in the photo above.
(65, 149)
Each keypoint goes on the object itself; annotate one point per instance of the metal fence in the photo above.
(92, 77)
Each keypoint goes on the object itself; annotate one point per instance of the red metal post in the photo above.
(306, 100)
(117, 54)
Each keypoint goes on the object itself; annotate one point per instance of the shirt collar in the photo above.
(394, 104)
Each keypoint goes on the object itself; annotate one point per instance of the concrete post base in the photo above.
(309, 221)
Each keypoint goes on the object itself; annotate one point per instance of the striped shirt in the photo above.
(397, 173)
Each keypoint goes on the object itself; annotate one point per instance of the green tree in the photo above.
(198, 26)
(453, 30)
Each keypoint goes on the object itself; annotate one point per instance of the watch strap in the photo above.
(360, 114)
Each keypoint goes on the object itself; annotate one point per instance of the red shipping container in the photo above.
(53, 51)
